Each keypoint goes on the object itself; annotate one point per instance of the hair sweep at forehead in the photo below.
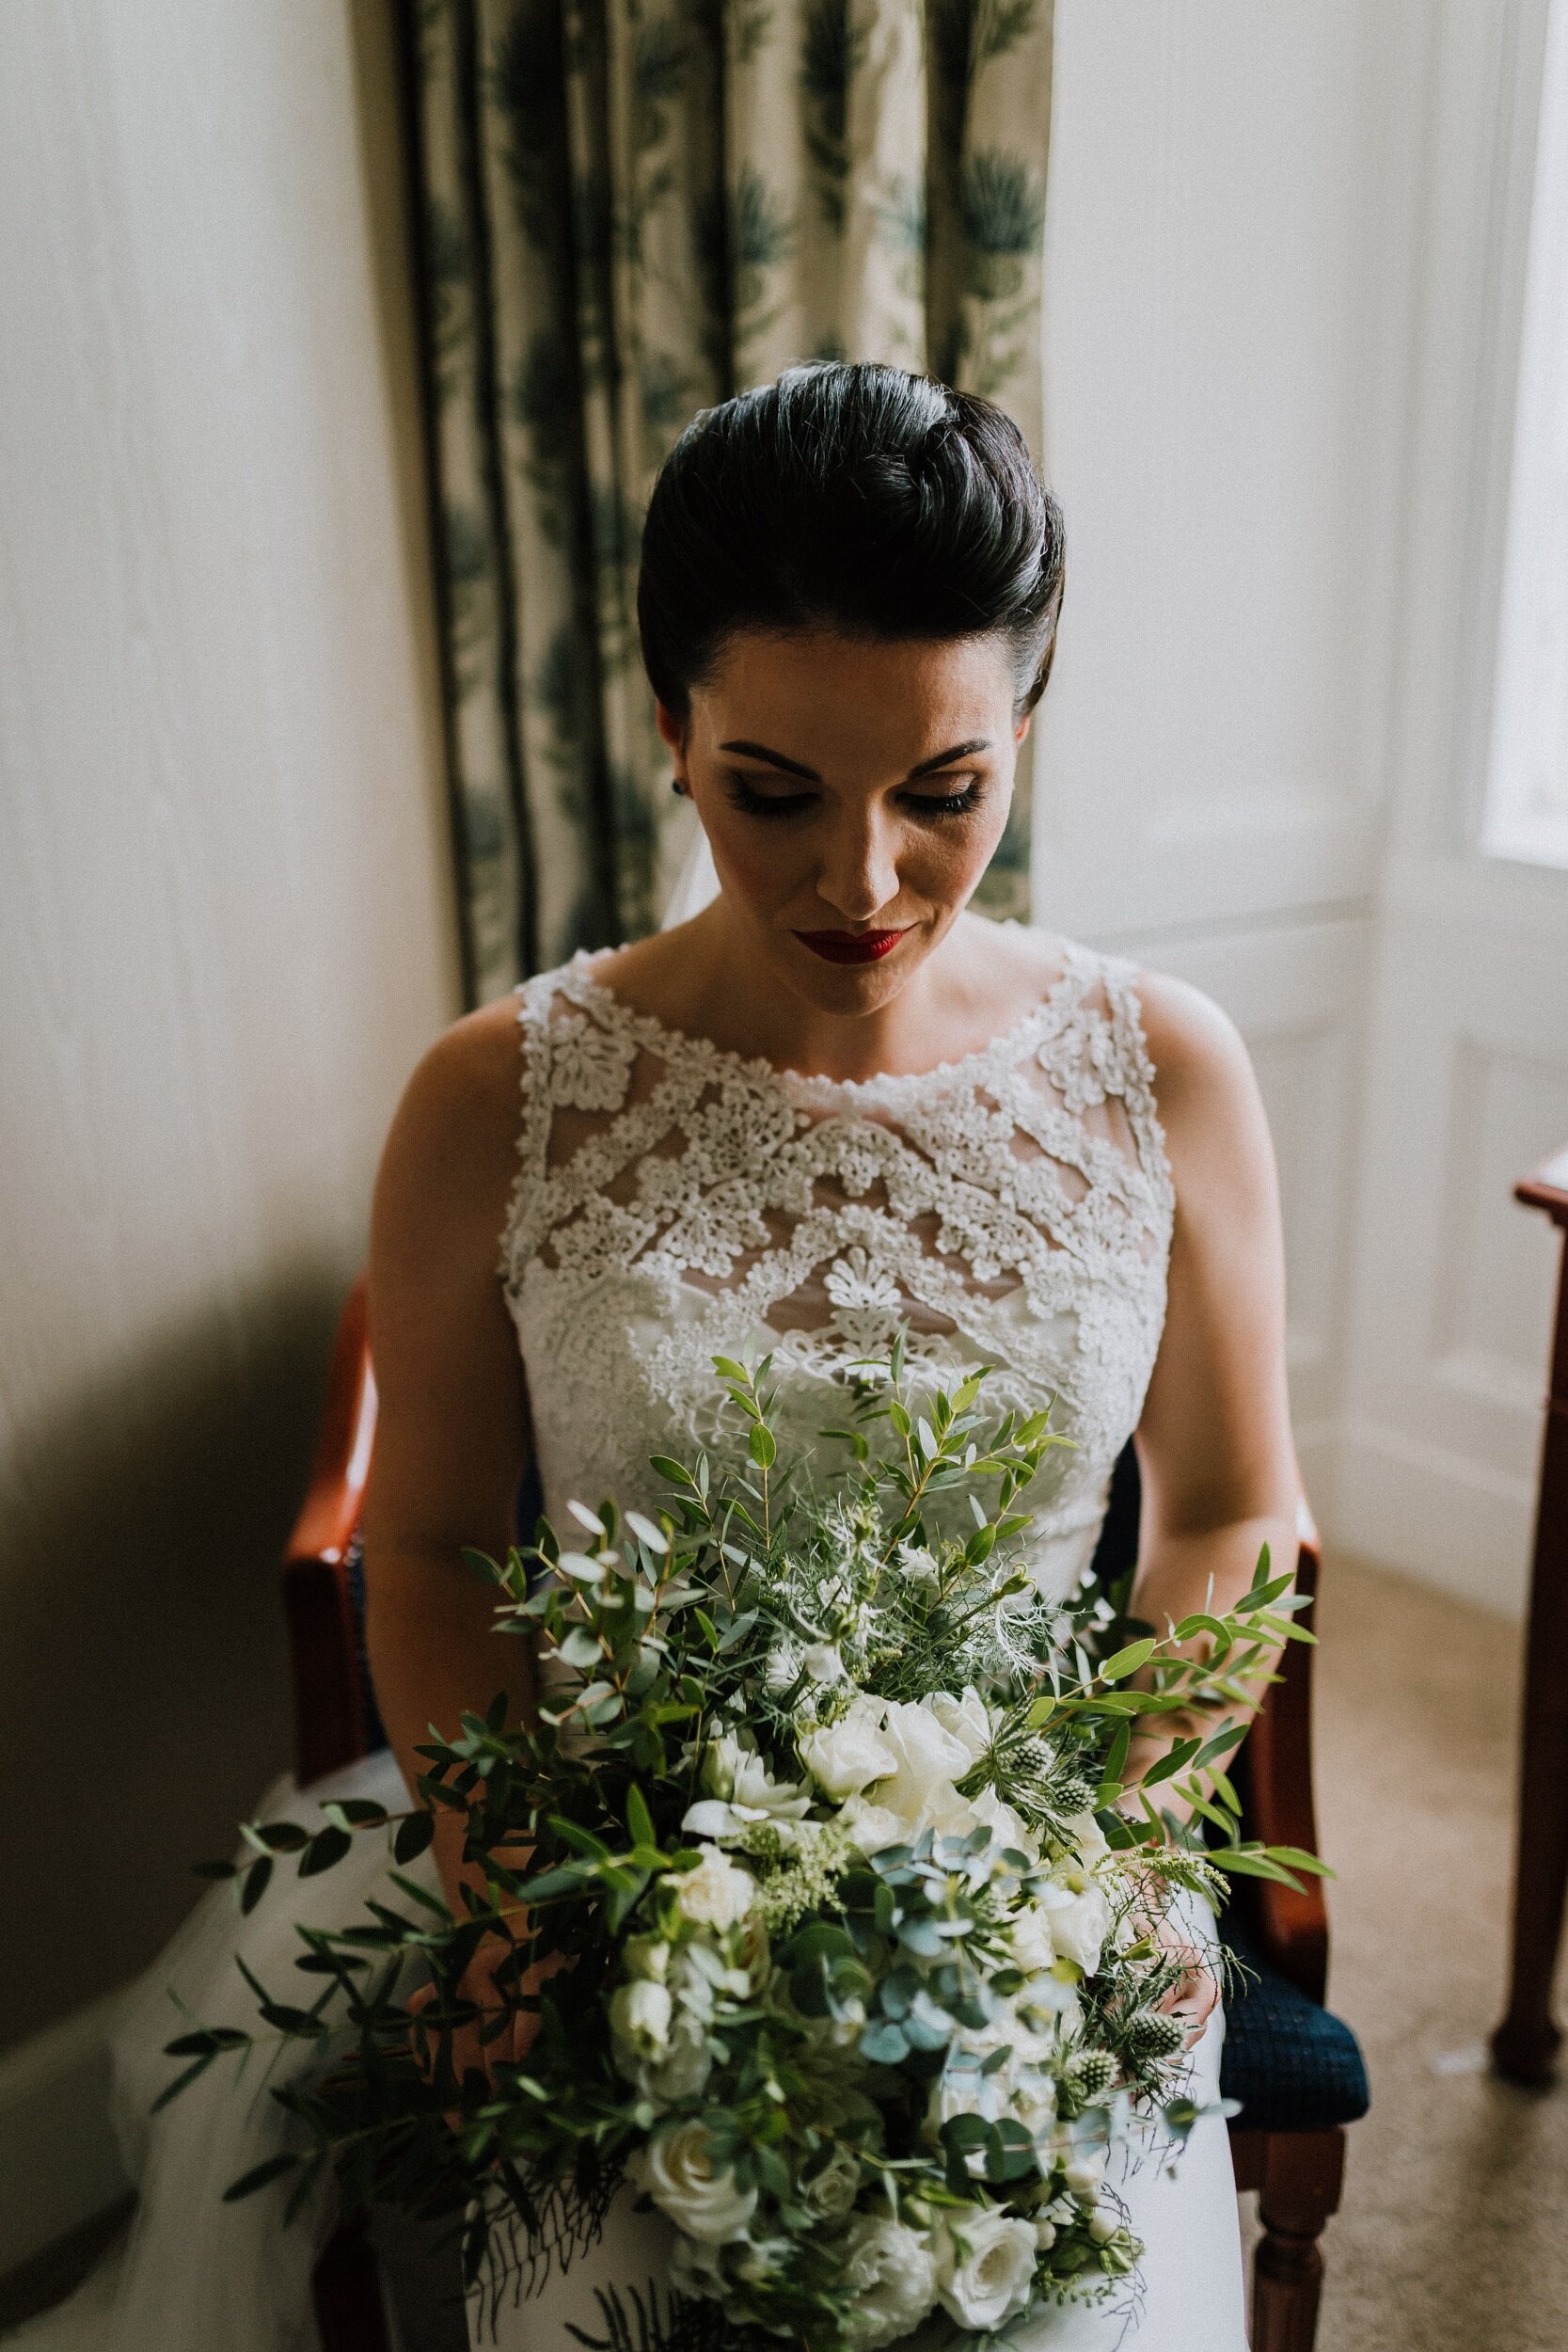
(851, 496)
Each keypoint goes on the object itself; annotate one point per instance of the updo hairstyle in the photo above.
(854, 496)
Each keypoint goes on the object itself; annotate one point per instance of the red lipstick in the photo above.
(851, 946)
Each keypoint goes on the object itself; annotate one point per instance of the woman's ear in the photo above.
(670, 727)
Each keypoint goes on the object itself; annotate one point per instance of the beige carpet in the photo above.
(1454, 2232)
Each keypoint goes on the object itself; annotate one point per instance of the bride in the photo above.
(828, 1101)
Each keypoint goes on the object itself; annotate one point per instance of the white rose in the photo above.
(640, 2016)
(647, 1956)
(927, 1760)
(745, 1793)
(717, 1893)
(676, 2170)
(823, 1662)
(986, 2268)
(1079, 1922)
(894, 2273)
(831, 2193)
(845, 1756)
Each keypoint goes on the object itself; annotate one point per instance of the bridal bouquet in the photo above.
(813, 1874)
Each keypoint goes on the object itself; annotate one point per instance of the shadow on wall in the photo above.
(140, 1538)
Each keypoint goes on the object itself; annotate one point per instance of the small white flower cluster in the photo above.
(881, 1774)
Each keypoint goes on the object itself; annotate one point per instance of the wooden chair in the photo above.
(1295, 2067)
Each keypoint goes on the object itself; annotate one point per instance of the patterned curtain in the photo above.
(626, 211)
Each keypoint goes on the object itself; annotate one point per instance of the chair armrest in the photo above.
(1277, 1770)
(330, 1713)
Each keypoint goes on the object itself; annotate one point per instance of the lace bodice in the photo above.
(676, 1200)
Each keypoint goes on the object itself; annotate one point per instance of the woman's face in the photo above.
(851, 792)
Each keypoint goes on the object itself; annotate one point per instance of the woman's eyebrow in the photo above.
(793, 767)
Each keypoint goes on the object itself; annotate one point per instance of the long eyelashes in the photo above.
(790, 804)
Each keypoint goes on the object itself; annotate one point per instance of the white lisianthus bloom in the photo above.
(1031, 1940)
(1089, 1841)
(683, 2070)
(823, 1662)
(696, 2269)
(1035, 2101)
(646, 1955)
(745, 1793)
(717, 1893)
(1006, 1826)
(1079, 1922)
(893, 2272)
(640, 2014)
(968, 1720)
(927, 1760)
(985, 2268)
(676, 2170)
(870, 1827)
(845, 1756)
(1084, 2169)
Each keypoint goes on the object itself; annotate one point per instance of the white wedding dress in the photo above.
(673, 1202)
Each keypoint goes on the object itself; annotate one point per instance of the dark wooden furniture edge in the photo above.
(1525, 2044)
(330, 1706)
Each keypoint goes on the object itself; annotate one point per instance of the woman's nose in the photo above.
(859, 876)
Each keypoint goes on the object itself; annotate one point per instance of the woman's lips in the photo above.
(851, 946)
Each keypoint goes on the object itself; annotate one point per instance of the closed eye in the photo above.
(755, 804)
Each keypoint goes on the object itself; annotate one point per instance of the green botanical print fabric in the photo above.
(630, 210)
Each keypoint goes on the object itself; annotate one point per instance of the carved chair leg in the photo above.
(346, 2290)
(1300, 2189)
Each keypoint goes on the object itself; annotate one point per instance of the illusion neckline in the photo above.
(662, 1036)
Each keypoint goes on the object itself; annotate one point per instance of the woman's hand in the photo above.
(468, 2052)
(1192, 1998)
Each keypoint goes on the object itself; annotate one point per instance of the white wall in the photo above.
(1284, 250)
(225, 930)
(1229, 235)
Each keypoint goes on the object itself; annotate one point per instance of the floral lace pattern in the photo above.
(676, 1200)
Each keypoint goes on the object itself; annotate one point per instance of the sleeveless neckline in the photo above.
(579, 980)
(676, 1201)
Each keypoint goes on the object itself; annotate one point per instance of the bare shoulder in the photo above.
(1192, 1043)
(1205, 1089)
(452, 1148)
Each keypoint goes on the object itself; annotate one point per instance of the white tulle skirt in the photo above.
(197, 2275)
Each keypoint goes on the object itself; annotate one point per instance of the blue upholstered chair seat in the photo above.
(1294, 2066)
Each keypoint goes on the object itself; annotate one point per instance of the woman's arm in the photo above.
(452, 1431)
(1216, 1459)
(1218, 1464)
